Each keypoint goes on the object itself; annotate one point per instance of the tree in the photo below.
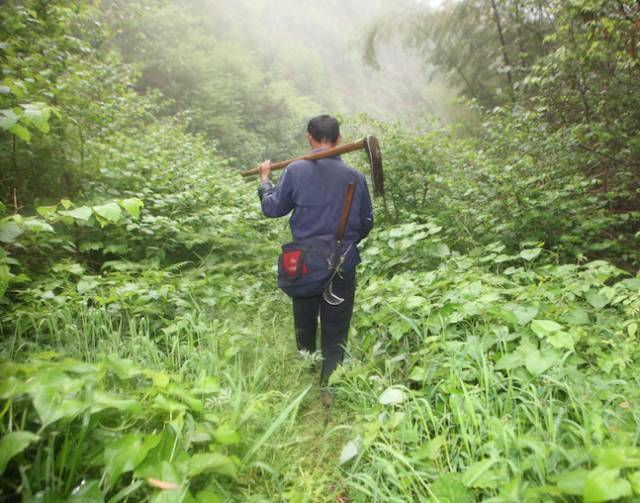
(483, 47)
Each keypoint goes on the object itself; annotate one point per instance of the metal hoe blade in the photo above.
(331, 298)
(375, 159)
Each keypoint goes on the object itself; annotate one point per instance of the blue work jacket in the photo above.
(315, 191)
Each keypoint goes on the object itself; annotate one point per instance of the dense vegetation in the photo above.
(145, 352)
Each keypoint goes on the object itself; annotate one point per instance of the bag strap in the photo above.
(348, 199)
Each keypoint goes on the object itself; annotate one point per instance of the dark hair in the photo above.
(324, 128)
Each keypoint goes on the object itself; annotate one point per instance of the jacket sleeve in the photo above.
(277, 201)
(366, 210)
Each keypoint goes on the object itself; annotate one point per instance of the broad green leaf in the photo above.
(13, 444)
(153, 465)
(181, 495)
(605, 484)
(449, 488)
(166, 404)
(561, 339)
(8, 118)
(530, 253)
(36, 225)
(87, 283)
(418, 374)
(634, 478)
(392, 396)
(226, 435)
(82, 213)
(524, 313)
(596, 300)
(576, 317)
(503, 258)
(206, 385)
(11, 387)
(126, 453)
(537, 362)
(38, 115)
(210, 462)
(543, 328)
(47, 211)
(631, 283)
(572, 482)
(77, 367)
(103, 400)
(349, 451)
(208, 496)
(185, 396)
(431, 450)
(160, 471)
(440, 250)
(51, 404)
(124, 368)
(111, 212)
(506, 316)
(617, 457)
(414, 301)
(132, 206)
(70, 267)
(201, 434)
(9, 231)
(21, 132)
(510, 361)
(160, 379)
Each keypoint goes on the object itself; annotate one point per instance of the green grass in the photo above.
(465, 382)
(483, 376)
(263, 390)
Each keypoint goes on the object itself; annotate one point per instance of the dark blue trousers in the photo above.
(334, 323)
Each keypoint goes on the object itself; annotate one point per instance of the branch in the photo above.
(606, 156)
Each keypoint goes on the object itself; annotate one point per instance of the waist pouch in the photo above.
(306, 266)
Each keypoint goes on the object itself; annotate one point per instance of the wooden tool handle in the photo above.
(330, 152)
(348, 199)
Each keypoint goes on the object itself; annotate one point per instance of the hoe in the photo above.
(369, 144)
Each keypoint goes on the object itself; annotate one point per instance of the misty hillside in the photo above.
(317, 49)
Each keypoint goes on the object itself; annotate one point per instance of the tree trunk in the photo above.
(503, 45)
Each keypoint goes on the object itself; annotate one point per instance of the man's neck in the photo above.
(316, 145)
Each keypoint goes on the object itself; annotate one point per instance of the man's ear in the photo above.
(338, 140)
(310, 139)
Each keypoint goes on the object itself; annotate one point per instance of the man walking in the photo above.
(315, 191)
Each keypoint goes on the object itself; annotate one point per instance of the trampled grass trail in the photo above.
(300, 462)
(237, 377)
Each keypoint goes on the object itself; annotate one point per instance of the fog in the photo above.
(317, 47)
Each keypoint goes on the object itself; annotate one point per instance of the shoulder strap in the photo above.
(348, 199)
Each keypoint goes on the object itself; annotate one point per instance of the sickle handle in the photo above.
(348, 199)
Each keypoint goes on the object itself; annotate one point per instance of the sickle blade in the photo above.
(331, 298)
